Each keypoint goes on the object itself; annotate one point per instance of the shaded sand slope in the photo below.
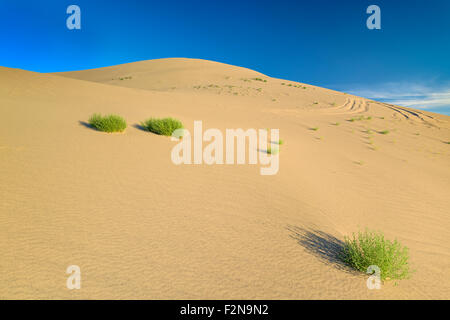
(141, 227)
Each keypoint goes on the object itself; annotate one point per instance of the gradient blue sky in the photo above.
(325, 43)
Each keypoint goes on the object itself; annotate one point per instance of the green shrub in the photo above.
(165, 126)
(371, 248)
(108, 123)
(259, 79)
(271, 150)
(359, 118)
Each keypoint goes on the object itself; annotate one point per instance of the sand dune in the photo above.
(141, 227)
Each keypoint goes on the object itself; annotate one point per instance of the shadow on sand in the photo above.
(87, 125)
(322, 245)
(139, 127)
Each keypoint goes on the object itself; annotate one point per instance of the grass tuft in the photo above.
(371, 248)
(384, 132)
(360, 118)
(271, 150)
(259, 79)
(165, 126)
(108, 123)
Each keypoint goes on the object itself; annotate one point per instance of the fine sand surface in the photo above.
(141, 227)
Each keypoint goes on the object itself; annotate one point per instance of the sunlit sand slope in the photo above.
(139, 226)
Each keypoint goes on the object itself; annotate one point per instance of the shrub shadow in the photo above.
(140, 127)
(322, 245)
(87, 125)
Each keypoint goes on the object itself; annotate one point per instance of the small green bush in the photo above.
(371, 248)
(165, 126)
(360, 118)
(259, 79)
(108, 123)
(271, 150)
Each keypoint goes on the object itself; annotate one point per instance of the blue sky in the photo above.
(325, 43)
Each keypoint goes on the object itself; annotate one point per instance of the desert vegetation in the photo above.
(360, 118)
(108, 123)
(164, 126)
(259, 79)
(369, 248)
(274, 150)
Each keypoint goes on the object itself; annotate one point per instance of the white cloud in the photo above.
(408, 94)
